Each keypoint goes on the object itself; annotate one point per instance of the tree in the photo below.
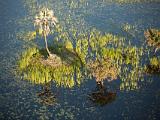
(44, 21)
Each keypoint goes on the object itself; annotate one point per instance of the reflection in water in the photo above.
(102, 96)
(46, 96)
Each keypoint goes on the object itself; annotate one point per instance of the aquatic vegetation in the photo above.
(130, 29)
(122, 59)
(133, 1)
(30, 6)
(26, 36)
(103, 69)
(131, 69)
(155, 61)
(34, 68)
(153, 38)
(91, 49)
(94, 44)
(127, 27)
(78, 45)
(68, 45)
(66, 113)
(154, 66)
(44, 21)
(26, 58)
(112, 59)
(130, 79)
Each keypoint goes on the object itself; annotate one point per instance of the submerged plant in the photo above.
(44, 21)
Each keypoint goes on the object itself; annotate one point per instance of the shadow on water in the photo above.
(46, 96)
(101, 96)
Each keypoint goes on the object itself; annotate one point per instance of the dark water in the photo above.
(19, 100)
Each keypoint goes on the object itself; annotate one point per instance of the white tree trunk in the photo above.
(45, 38)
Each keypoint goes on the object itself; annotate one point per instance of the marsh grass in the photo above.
(26, 36)
(153, 38)
(112, 60)
(34, 67)
(154, 66)
(133, 1)
(76, 44)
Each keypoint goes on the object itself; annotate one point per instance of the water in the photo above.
(19, 99)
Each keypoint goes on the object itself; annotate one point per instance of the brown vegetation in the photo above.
(102, 70)
(153, 38)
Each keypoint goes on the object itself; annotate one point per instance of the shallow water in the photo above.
(19, 99)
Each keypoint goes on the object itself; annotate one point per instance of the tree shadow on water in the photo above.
(46, 96)
(101, 96)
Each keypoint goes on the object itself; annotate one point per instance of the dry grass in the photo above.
(153, 38)
(53, 61)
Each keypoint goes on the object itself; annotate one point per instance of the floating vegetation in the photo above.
(130, 29)
(26, 36)
(153, 38)
(154, 66)
(133, 1)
